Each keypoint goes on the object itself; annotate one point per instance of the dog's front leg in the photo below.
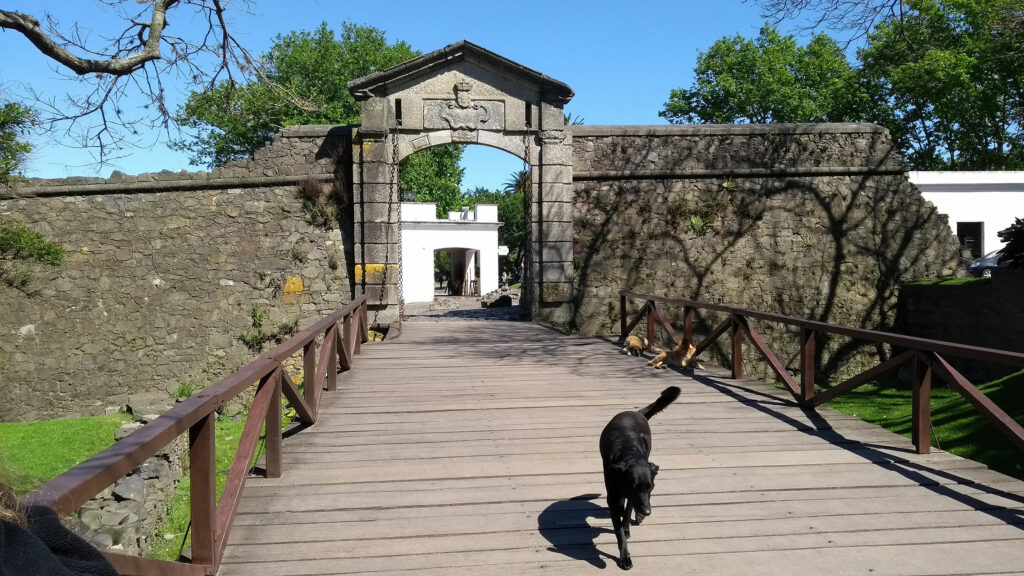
(620, 523)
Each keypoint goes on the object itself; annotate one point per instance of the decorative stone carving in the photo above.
(463, 113)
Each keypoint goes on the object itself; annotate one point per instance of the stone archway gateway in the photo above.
(463, 94)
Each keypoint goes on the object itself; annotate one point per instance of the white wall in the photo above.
(994, 198)
(422, 234)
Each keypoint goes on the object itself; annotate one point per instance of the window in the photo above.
(971, 237)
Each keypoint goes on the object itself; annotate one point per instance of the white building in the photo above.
(470, 236)
(978, 204)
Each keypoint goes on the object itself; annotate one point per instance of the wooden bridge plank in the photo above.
(429, 465)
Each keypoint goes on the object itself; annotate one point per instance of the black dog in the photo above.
(628, 475)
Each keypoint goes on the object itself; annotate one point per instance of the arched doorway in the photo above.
(463, 94)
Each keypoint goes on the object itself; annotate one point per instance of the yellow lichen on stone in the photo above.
(372, 273)
(293, 285)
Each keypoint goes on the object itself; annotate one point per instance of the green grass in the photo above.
(228, 433)
(958, 427)
(949, 281)
(33, 453)
(167, 543)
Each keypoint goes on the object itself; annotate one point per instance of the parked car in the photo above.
(982, 267)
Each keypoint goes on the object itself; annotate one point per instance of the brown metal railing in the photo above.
(925, 355)
(211, 520)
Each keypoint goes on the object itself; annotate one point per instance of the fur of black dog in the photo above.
(628, 475)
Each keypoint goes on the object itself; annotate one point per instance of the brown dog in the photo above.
(635, 345)
(682, 354)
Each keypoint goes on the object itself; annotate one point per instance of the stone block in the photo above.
(130, 488)
(552, 232)
(373, 151)
(556, 252)
(556, 212)
(380, 233)
(552, 116)
(556, 292)
(381, 295)
(374, 173)
(556, 174)
(380, 253)
(556, 154)
(378, 212)
(556, 272)
(375, 118)
(376, 274)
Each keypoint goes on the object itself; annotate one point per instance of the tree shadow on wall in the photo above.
(845, 220)
(565, 525)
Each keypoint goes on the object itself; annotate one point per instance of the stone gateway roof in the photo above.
(382, 83)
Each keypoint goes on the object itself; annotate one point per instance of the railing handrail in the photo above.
(73, 488)
(925, 344)
(922, 354)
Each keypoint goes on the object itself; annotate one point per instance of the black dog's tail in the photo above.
(668, 396)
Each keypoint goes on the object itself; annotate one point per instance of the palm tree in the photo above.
(518, 182)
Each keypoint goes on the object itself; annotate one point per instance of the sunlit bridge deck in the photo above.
(471, 448)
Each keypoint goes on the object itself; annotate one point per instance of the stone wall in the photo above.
(163, 273)
(812, 221)
(987, 313)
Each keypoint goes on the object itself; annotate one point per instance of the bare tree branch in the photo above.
(135, 60)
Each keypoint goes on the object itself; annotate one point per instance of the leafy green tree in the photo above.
(1013, 252)
(769, 79)
(948, 83)
(15, 120)
(20, 249)
(303, 80)
(435, 176)
(514, 231)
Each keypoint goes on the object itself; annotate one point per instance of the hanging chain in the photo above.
(396, 193)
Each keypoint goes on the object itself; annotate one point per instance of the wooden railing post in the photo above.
(272, 428)
(203, 490)
(308, 375)
(688, 323)
(921, 408)
(737, 348)
(652, 322)
(622, 317)
(806, 367)
(332, 358)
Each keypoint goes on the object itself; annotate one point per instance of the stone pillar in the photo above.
(376, 213)
(552, 234)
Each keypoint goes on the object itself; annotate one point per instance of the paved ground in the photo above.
(449, 308)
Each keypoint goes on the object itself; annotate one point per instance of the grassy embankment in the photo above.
(958, 427)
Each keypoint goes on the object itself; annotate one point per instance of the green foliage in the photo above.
(769, 79)
(320, 207)
(514, 231)
(20, 247)
(15, 120)
(958, 427)
(33, 453)
(185, 390)
(946, 82)
(299, 251)
(435, 176)
(255, 336)
(304, 79)
(1014, 239)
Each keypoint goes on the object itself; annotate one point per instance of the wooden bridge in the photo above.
(471, 448)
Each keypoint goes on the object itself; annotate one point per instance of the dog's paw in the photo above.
(625, 563)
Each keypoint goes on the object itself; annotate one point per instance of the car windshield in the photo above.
(993, 254)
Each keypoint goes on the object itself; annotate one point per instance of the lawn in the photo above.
(32, 453)
(957, 426)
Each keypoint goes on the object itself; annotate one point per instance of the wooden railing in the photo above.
(926, 356)
(211, 520)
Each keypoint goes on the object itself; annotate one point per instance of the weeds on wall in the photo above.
(319, 203)
(20, 249)
(255, 336)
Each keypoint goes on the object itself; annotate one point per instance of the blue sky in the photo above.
(621, 58)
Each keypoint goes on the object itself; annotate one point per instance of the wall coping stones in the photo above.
(727, 129)
(808, 171)
(39, 188)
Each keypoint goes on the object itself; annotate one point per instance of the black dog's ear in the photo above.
(654, 469)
